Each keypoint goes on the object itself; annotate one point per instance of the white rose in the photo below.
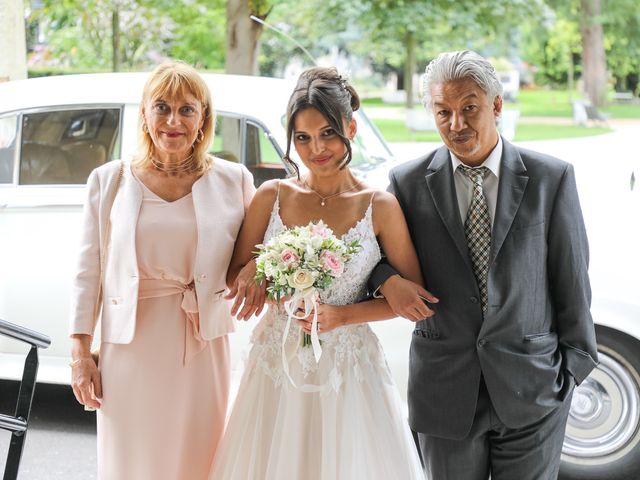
(270, 270)
(310, 252)
(300, 243)
(301, 279)
(317, 243)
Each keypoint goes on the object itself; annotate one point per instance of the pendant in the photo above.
(322, 203)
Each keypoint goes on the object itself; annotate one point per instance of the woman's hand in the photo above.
(329, 318)
(407, 299)
(247, 291)
(86, 381)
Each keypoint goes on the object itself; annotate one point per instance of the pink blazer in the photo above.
(220, 198)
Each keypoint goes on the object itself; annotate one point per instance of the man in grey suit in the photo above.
(502, 244)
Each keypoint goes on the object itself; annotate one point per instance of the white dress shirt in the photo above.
(464, 185)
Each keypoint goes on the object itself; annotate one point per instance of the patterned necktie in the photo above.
(477, 229)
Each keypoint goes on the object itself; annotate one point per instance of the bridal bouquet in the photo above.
(297, 263)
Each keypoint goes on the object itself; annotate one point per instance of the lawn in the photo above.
(544, 103)
(532, 104)
(546, 131)
(540, 103)
(395, 130)
(557, 103)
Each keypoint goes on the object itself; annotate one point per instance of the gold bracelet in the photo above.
(75, 362)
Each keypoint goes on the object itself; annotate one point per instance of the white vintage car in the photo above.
(55, 130)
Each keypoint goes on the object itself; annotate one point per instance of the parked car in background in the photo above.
(602, 440)
(55, 130)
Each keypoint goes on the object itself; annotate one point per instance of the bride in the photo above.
(347, 423)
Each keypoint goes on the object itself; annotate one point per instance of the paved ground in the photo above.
(60, 443)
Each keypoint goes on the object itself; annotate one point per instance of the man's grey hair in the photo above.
(459, 65)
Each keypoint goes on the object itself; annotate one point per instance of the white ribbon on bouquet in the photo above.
(308, 299)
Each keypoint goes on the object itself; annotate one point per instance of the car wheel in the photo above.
(602, 440)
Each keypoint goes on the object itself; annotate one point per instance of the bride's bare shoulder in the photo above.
(386, 210)
(384, 201)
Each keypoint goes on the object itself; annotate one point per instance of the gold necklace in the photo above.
(188, 166)
(323, 199)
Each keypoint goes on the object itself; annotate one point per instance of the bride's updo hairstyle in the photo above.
(328, 92)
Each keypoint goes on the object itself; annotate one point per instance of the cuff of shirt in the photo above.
(380, 274)
(377, 294)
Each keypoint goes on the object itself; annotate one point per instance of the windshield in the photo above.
(369, 148)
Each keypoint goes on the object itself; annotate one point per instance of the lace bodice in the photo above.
(350, 346)
(350, 287)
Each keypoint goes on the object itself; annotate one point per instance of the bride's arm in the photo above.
(242, 268)
(391, 229)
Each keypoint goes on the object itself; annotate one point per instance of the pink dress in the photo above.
(165, 393)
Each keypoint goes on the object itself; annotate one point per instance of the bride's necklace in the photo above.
(323, 199)
(187, 166)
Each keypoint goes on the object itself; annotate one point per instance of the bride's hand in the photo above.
(408, 299)
(247, 291)
(329, 317)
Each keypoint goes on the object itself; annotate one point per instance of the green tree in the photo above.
(198, 33)
(243, 34)
(13, 64)
(554, 45)
(622, 42)
(102, 34)
(132, 34)
(588, 15)
(401, 34)
(601, 37)
(594, 61)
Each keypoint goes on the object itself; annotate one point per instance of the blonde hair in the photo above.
(177, 79)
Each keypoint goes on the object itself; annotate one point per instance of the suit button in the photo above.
(481, 343)
(473, 299)
(201, 278)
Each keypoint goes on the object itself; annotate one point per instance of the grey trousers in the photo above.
(492, 449)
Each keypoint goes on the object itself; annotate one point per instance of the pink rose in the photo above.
(289, 257)
(320, 230)
(331, 262)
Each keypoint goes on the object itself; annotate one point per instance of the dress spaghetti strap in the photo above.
(276, 204)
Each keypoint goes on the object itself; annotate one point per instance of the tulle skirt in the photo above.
(353, 428)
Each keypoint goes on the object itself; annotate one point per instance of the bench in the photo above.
(419, 120)
(623, 97)
(507, 123)
(584, 112)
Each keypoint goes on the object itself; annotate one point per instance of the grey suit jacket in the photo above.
(537, 338)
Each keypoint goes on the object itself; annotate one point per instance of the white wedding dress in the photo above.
(352, 428)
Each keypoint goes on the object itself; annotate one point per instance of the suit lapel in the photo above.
(131, 196)
(513, 181)
(440, 182)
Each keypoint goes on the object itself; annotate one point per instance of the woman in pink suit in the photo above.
(162, 380)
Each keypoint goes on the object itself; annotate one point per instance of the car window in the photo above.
(368, 148)
(8, 131)
(227, 142)
(263, 160)
(64, 146)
